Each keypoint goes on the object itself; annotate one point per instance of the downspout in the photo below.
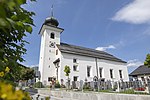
(96, 67)
(97, 74)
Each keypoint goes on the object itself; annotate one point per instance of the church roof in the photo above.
(141, 70)
(78, 50)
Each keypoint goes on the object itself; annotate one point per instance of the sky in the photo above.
(119, 27)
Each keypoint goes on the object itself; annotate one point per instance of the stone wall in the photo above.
(64, 95)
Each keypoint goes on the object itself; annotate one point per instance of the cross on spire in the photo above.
(52, 13)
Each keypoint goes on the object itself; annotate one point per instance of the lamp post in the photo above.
(57, 66)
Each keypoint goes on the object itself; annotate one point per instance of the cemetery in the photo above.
(100, 85)
(98, 89)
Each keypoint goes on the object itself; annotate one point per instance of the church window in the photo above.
(120, 73)
(88, 71)
(56, 52)
(75, 78)
(111, 73)
(49, 79)
(74, 60)
(142, 78)
(52, 35)
(75, 67)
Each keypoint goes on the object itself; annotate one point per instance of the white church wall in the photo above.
(83, 62)
(42, 49)
(115, 66)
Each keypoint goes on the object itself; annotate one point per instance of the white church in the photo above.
(85, 63)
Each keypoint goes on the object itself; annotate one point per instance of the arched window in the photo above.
(52, 35)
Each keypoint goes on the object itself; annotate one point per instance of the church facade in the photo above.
(85, 63)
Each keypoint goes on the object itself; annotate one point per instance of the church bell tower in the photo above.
(50, 38)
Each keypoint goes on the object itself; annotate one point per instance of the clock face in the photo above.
(52, 44)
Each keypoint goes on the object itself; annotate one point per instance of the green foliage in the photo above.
(38, 85)
(87, 87)
(147, 60)
(21, 73)
(57, 85)
(27, 73)
(129, 91)
(47, 98)
(67, 70)
(15, 22)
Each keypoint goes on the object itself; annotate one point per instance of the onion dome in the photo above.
(51, 21)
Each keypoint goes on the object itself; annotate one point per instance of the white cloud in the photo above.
(106, 48)
(134, 63)
(36, 65)
(137, 12)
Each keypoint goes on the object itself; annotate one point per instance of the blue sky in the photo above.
(119, 27)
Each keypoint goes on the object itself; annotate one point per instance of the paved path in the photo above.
(39, 96)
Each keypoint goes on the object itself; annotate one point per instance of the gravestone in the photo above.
(77, 84)
(108, 84)
(99, 84)
(92, 84)
(148, 84)
(81, 84)
(62, 82)
(73, 85)
(68, 84)
(95, 79)
(118, 87)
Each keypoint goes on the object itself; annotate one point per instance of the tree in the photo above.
(27, 74)
(147, 60)
(67, 72)
(23, 73)
(15, 22)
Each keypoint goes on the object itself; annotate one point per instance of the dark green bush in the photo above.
(57, 85)
(38, 85)
(87, 87)
(47, 98)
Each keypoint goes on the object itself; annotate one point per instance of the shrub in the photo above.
(38, 85)
(57, 85)
(47, 98)
(87, 87)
